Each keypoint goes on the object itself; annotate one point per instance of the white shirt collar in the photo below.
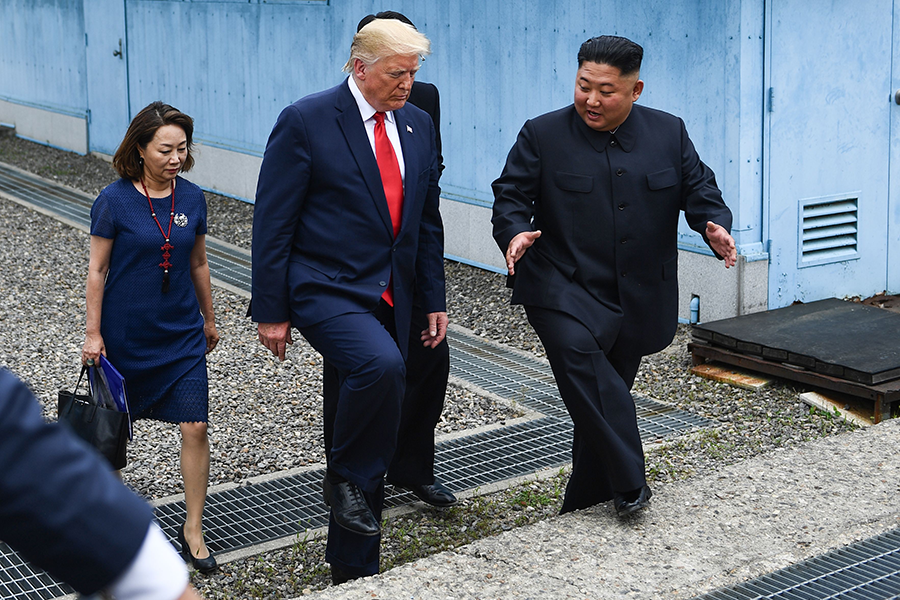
(365, 109)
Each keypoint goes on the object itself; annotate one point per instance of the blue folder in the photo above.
(116, 387)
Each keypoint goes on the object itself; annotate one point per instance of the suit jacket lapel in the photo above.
(354, 131)
(410, 160)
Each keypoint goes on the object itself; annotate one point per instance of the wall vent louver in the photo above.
(829, 230)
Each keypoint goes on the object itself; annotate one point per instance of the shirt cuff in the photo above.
(156, 573)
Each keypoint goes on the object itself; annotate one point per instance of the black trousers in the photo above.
(607, 455)
(427, 371)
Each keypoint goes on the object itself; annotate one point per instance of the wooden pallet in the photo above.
(882, 394)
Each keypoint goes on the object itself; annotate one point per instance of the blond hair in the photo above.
(386, 37)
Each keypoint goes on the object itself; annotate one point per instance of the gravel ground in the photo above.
(42, 332)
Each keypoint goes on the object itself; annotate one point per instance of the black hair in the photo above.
(385, 14)
(141, 131)
(614, 51)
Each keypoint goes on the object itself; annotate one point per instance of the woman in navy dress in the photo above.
(149, 299)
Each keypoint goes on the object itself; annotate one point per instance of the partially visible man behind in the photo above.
(586, 211)
(346, 223)
(63, 510)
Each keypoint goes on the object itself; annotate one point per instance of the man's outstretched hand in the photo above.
(517, 247)
(722, 242)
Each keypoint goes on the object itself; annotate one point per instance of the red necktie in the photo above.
(392, 182)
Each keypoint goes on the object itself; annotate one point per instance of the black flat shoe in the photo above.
(627, 504)
(349, 508)
(204, 565)
(339, 576)
(435, 494)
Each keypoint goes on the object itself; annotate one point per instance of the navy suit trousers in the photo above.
(361, 419)
(427, 371)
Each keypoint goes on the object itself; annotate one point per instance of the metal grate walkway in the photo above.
(262, 512)
(867, 570)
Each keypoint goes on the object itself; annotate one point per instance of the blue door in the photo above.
(829, 145)
(107, 74)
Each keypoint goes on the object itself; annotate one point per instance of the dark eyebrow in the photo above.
(603, 84)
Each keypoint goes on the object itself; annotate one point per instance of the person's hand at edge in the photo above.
(212, 336)
(93, 348)
(276, 337)
(437, 329)
(722, 243)
(517, 247)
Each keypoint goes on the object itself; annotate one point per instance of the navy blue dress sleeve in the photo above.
(102, 218)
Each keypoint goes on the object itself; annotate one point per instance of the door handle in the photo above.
(119, 51)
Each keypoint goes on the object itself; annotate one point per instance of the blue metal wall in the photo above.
(42, 59)
(235, 65)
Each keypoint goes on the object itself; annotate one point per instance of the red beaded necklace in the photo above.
(165, 264)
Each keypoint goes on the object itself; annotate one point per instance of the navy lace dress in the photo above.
(154, 339)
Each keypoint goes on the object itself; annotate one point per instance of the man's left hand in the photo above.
(437, 329)
(722, 243)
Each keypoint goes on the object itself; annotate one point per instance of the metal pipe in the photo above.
(695, 309)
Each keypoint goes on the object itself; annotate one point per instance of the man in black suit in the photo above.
(427, 368)
(586, 211)
(63, 510)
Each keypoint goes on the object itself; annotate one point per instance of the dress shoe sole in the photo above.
(637, 505)
(357, 531)
(425, 499)
(365, 533)
(432, 502)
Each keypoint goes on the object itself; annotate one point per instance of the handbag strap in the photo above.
(80, 377)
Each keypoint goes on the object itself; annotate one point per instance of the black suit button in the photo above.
(612, 143)
(622, 206)
(382, 283)
(620, 172)
(623, 240)
(624, 273)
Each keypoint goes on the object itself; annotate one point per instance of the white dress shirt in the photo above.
(156, 573)
(368, 117)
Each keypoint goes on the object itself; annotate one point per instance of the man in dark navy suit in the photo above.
(63, 510)
(346, 224)
(427, 367)
(586, 211)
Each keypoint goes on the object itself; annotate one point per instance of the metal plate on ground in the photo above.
(867, 570)
(842, 339)
(18, 579)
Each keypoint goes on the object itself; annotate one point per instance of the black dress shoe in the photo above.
(435, 494)
(349, 507)
(339, 576)
(204, 565)
(627, 504)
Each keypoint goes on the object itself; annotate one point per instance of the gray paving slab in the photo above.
(740, 522)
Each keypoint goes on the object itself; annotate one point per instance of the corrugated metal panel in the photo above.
(235, 65)
(42, 55)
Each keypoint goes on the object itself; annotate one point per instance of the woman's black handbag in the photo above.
(95, 419)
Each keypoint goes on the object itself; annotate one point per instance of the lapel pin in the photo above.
(409, 129)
